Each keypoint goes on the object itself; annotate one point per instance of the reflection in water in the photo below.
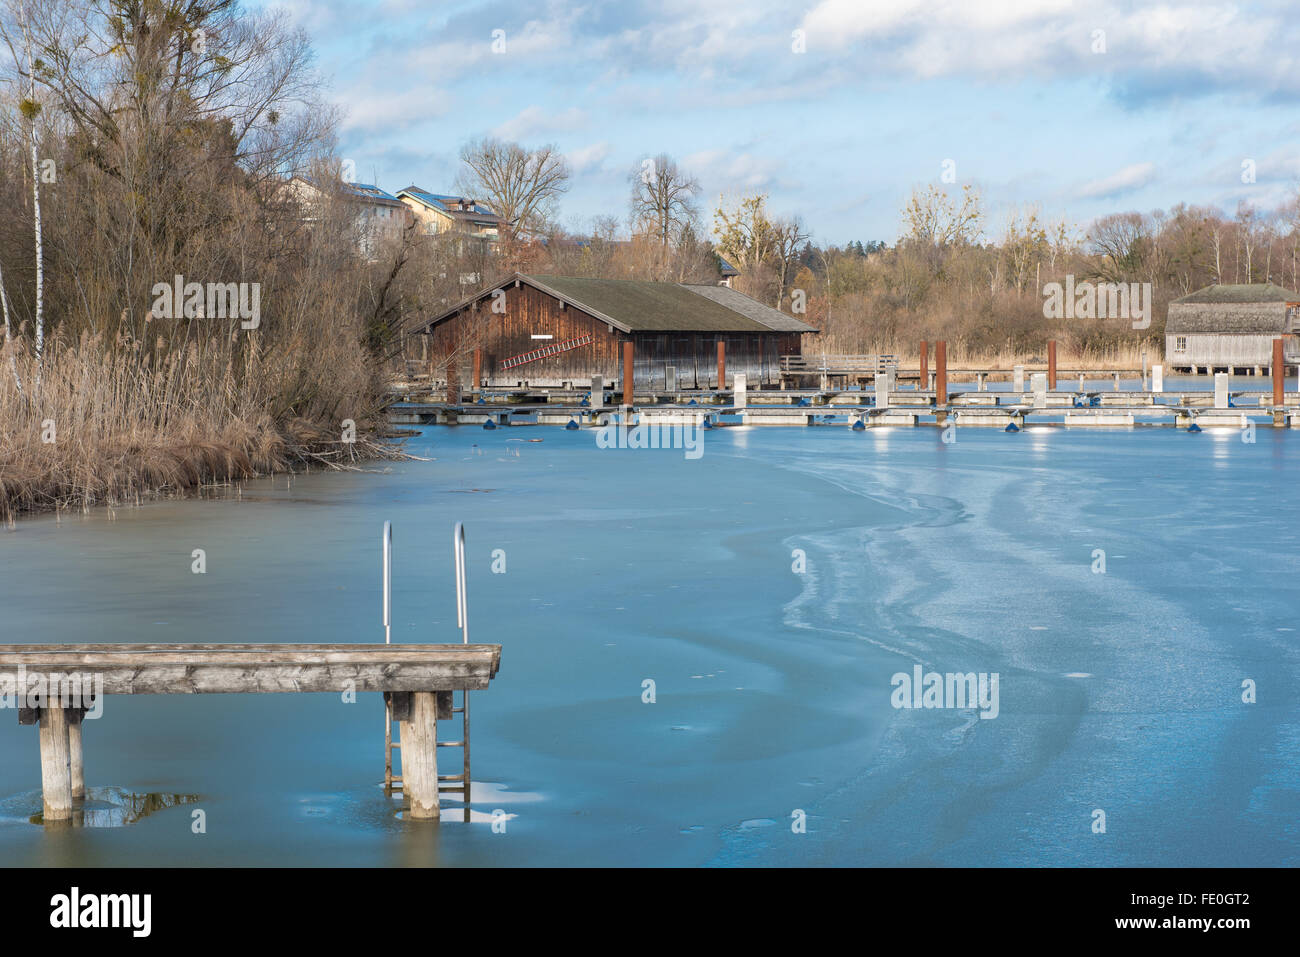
(118, 807)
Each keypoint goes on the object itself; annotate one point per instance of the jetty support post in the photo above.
(1220, 390)
(923, 381)
(1018, 379)
(56, 777)
(478, 371)
(1051, 365)
(722, 365)
(76, 768)
(739, 385)
(1279, 374)
(1157, 378)
(1279, 383)
(941, 377)
(628, 369)
(420, 756)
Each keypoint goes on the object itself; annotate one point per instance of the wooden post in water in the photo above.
(941, 373)
(1279, 383)
(1051, 365)
(628, 371)
(923, 382)
(420, 756)
(722, 365)
(56, 780)
(76, 769)
(478, 370)
(1279, 374)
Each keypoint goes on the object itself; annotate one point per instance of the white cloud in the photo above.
(587, 158)
(534, 121)
(377, 111)
(1123, 181)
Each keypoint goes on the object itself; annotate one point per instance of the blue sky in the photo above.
(1019, 95)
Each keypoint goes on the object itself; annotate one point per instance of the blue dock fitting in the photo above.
(489, 424)
(572, 426)
(1194, 428)
(1011, 427)
(858, 426)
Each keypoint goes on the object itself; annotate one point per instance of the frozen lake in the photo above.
(1119, 690)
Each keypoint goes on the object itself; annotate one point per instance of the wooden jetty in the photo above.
(417, 681)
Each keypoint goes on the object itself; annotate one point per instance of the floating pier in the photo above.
(906, 408)
(861, 391)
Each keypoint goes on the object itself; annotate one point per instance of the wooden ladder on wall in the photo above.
(454, 783)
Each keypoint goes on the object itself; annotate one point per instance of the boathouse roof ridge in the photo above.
(1241, 292)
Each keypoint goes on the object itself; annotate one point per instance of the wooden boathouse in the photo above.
(539, 331)
(1231, 328)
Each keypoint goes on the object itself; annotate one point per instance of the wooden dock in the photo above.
(417, 680)
(868, 410)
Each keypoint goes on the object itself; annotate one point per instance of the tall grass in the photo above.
(110, 425)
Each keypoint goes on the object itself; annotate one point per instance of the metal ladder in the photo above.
(455, 783)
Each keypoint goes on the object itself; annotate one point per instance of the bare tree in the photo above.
(522, 186)
(1122, 244)
(663, 199)
(30, 110)
(787, 235)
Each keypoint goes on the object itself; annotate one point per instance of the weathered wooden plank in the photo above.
(180, 669)
(445, 699)
(214, 679)
(399, 703)
(76, 769)
(26, 654)
(79, 648)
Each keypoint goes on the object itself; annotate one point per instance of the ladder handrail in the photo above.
(386, 547)
(462, 598)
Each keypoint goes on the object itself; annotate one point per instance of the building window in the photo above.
(1180, 344)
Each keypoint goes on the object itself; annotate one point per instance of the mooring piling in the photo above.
(628, 367)
(941, 373)
(1279, 374)
(56, 776)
